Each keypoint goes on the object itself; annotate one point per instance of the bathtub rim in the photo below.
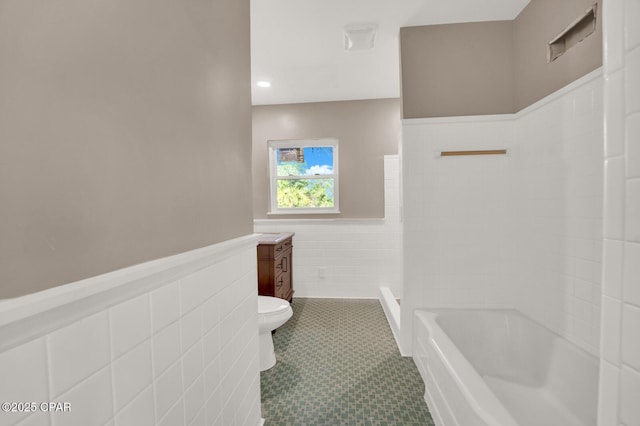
(517, 312)
(473, 387)
(428, 316)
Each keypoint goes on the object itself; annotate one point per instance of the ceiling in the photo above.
(298, 45)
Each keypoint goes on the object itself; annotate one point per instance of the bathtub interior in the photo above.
(500, 344)
(535, 374)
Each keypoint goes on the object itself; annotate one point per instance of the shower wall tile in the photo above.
(457, 215)
(632, 228)
(153, 371)
(613, 35)
(610, 386)
(614, 198)
(631, 280)
(622, 197)
(612, 268)
(560, 212)
(629, 396)
(630, 341)
(495, 231)
(631, 28)
(633, 80)
(633, 146)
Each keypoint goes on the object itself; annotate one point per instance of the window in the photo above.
(304, 176)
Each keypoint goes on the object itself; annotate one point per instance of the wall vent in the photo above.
(577, 31)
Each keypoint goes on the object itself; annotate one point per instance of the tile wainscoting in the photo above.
(168, 342)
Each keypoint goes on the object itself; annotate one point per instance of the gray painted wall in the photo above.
(493, 67)
(534, 27)
(125, 134)
(367, 130)
(457, 69)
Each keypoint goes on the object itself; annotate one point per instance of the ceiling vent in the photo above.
(359, 37)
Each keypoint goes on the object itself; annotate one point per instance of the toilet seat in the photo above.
(271, 306)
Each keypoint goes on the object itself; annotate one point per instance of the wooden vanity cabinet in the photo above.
(275, 264)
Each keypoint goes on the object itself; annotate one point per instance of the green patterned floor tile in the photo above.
(338, 364)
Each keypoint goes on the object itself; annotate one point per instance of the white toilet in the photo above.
(272, 313)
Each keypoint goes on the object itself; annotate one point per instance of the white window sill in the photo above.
(301, 211)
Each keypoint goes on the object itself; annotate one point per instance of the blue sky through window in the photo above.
(317, 160)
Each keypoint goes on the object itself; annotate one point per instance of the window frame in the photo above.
(272, 148)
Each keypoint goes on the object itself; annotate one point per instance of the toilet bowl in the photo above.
(272, 313)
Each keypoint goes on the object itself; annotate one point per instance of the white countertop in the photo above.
(274, 238)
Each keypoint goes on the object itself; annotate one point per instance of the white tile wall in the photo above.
(620, 375)
(631, 271)
(457, 216)
(522, 230)
(91, 401)
(24, 375)
(139, 411)
(633, 146)
(357, 257)
(612, 268)
(78, 350)
(130, 324)
(168, 389)
(560, 194)
(165, 306)
(614, 198)
(612, 317)
(630, 340)
(150, 359)
(629, 396)
(610, 386)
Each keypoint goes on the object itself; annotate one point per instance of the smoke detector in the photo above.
(359, 37)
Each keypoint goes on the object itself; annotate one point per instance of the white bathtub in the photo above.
(497, 367)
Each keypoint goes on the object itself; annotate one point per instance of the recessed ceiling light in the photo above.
(263, 83)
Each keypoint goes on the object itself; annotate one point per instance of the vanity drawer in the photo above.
(282, 263)
(283, 286)
(282, 247)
